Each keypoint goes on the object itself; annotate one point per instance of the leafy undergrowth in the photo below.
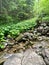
(14, 30)
(45, 19)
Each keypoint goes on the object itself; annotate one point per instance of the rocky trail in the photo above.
(29, 48)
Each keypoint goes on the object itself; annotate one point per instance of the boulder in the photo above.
(29, 57)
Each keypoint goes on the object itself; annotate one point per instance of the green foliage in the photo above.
(44, 6)
(4, 18)
(13, 10)
(15, 29)
(41, 7)
(45, 19)
(2, 46)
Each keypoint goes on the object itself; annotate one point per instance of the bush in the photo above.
(4, 18)
(15, 29)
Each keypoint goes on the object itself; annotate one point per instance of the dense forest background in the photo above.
(13, 10)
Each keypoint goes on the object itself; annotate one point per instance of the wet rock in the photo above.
(45, 30)
(43, 24)
(48, 34)
(38, 48)
(19, 38)
(35, 31)
(39, 34)
(4, 56)
(45, 44)
(40, 28)
(47, 23)
(24, 37)
(31, 58)
(47, 52)
(34, 37)
(15, 59)
(28, 35)
(43, 50)
(46, 61)
(39, 38)
(10, 42)
(7, 55)
(2, 60)
(45, 55)
(45, 38)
